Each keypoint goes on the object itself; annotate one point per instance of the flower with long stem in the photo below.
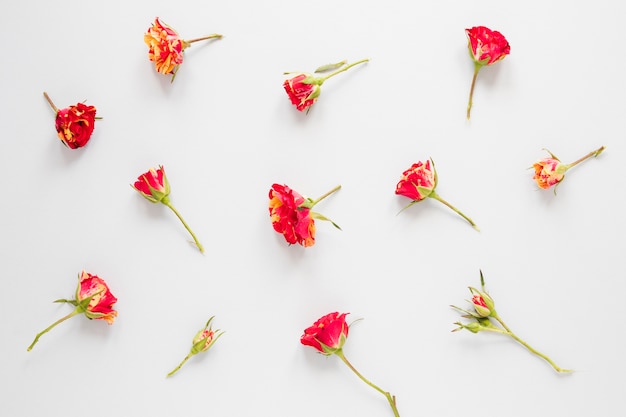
(154, 187)
(482, 315)
(328, 335)
(551, 171)
(304, 88)
(93, 299)
(166, 47)
(419, 182)
(292, 214)
(486, 47)
(202, 341)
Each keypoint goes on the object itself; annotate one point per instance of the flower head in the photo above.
(418, 182)
(486, 46)
(303, 88)
(98, 299)
(74, 124)
(165, 47)
(294, 222)
(202, 341)
(548, 172)
(292, 216)
(93, 299)
(153, 185)
(328, 334)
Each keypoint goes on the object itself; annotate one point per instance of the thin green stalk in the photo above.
(530, 348)
(180, 364)
(457, 211)
(323, 196)
(213, 36)
(477, 68)
(390, 398)
(347, 67)
(198, 244)
(47, 329)
(589, 155)
(55, 108)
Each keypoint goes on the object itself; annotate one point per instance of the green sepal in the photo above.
(319, 216)
(409, 205)
(329, 67)
(63, 300)
(424, 192)
(307, 204)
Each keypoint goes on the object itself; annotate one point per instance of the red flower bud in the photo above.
(418, 181)
(294, 222)
(486, 46)
(101, 300)
(74, 124)
(328, 334)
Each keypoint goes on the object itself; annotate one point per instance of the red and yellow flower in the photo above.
(166, 47)
(419, 182)
(328, 334)
(154, 187)
(551, 171)
(291, 214)
(486, 47)
(74, 124)
(93, 299)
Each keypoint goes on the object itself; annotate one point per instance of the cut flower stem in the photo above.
(55, 108)
(204, 38)
(47, 329)
(441, 200)
(339, 71)
(390, 398)
(193, 235)
(508, 331)
(477, 68)
(323, 196)
(180, 364)
(589, 155)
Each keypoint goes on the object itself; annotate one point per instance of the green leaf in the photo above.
(330, 67)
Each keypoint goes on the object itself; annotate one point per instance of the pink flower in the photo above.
(154, 187)
(486, 47)
(93, 299)
(419, 182)
(328, 335)
(550, 171)
(303, 88)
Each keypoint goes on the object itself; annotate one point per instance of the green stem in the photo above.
(390, 398)
(47, 329)
(55, 108)
(477, 68)
(198, 244)
(530, 348)
(323, 196)
(441, 200)
(180, 364)
(347, 67)
(589, 155)
(213, 36)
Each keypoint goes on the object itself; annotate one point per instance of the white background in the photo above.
(225, 131)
